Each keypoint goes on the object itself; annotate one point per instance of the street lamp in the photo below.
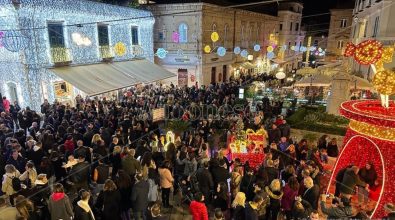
(280, 74)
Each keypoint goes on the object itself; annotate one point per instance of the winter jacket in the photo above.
(250, 212)
(336, 212)
(205, 180)
(130, 165)
(289, 197)
(238, 213)
(140, 196)
(108, 202)
(368, 176)
(350, 180)
(220, 175)
(8, 213)
(311, 196)
(6, 186)
(166, 179)
(83, 211)
(198, 210)
(60, 207)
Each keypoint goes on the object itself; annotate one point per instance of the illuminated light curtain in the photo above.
(183, 32)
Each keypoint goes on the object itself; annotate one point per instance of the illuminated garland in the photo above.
(375, 131)
(366, 53)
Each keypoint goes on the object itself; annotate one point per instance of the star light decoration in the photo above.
(161, 53)
(37, 55)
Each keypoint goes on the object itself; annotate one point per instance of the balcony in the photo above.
(60, 55)
(106, 52)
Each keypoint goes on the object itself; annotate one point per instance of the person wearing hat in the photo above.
(389, 209)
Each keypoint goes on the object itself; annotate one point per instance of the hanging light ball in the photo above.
(257, 47)
(175, 37)
(293, 48)
(221, 51)
(270, 55)
(269, 49)
(237, 50)
(280, 74)
(207, 49)
(214, 36)
(120, 49)
(161, 53)
(14, 41)
(244, 53)
(384, 82)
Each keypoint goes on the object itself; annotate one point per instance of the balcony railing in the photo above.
(60, 55)
(106, 52)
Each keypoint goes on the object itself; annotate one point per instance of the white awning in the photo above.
(315, 80)
(100, 78)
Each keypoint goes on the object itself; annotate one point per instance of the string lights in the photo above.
(367, 52)
(384, 82)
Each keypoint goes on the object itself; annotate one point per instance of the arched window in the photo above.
(183, 31)
(214, 27)
(226, 34)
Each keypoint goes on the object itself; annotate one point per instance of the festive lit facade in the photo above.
(38, 35)
(373, 19)
(204, 43)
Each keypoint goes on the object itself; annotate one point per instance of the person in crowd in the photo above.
(6, 104)
(332, 148)
(197, 207)
(301, 209)
(30, 175)
(251, 208)
(274, 134)
(301, 150)
(108, 201)
(221, 197)
(291, 191)
(235, 180)
(155, 212)
(100, 174)
(341, 210)
(220, 173)
(82, 210)
(17, 160)
(11, 183)
(247, 184)
(339, 179)
(272, 172)
(116, 160)
(389, 210)
(287, 173)
(312, 192)
(59, 204)
(275, 193)
(350, 181)
(140, 197)
(218, 214)
(124, 185)
(238, 206)
(7, 212)
(285, 129)
(368, 175)
(129, 164)
(314, 215)
(166, 182)
(79, 174)
(323, 142)
(205, 180)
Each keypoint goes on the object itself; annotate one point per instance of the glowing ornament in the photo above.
(313, 48)
(280, 74)
(161, 53)
(320, 50)
(221, 51)
(14, 41)
(384, 82)
(303, 49)
(350, 50)
(175, 37)
(366, 53)
(207, 49)
(270, 55)
(237, 50)
(293, 48)
(180, 52)
(214, 36)
(120, 49)
(244, 53)
(388, 53)
(283, 48)
(269, 49)
(257, 47)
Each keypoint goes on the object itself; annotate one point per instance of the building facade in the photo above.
(373, 19)
(37, 37)
(185, 32)
(339, 31)
(290, 35)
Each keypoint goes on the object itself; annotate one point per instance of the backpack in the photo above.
(16, 183)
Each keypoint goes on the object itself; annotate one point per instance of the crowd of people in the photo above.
(107, 159)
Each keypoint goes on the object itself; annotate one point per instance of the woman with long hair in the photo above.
(287, 173)
(332, 149)
(124, 184)
(238, 206)
(291, 190)
(108, 201)
(302, 150)
(147, 164)
(59, 204)
(166, 182)
(235, 181)
(323, 142)
(221, 197)
(25, 208)
(275, 194)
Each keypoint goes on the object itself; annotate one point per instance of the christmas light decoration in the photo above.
(270, 55)
(221, 51)
(370, 138)
(293, 48)
(207, 49)
(367, 52)
(214, 37)
(161, 53)
(31, 73)
(1, 38)
(175, 37)
(388, 53)
(384, 82)
(120, 49)
(237, 50)
(257, 47)
(350, 50)
(15, 41)
(269, 49)
(244, 53)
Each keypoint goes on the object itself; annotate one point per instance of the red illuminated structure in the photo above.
(370, 138)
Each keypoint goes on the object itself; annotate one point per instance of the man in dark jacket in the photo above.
(220, 173)
(205, 180)
(312, 192)
(247, 184)
(139, 197)
(89, 135)
(274, 134)
(83, 151)
(342, 209)
(129, 164)
(17, 160)
(251, 208)
(350, 180)
(339, 179)
(271, 172)
(79, 174)
(285, 129)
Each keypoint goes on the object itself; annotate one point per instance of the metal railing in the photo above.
(106, 52)
(60, 55)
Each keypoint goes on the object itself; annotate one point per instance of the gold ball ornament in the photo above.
(388, 53)
(270, 49)
(207, 49)
(214, 36)
(384, 82)
(120, 49)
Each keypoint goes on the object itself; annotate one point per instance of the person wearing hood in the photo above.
(82, 210)
(59, 204)
(341, 209)
(275, 193)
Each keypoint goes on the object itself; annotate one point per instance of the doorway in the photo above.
(213, 73)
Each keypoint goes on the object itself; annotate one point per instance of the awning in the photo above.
(315, 80)
(248, 65)
(100, 78)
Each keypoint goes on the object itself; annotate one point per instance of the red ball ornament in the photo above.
(350, 50)
(368, 52)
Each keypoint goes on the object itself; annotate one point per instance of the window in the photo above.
(290, 27)
(55, 34)
(103, 35)
(183, 32)
(281, 27)
(376, 26)
(343, 23)
(297, 27)
(135, 35)
(340, 44)
(160, 36)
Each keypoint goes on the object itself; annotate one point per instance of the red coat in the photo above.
(69, 146)
(198, 210)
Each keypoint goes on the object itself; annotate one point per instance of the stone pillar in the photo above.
(340, 92)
